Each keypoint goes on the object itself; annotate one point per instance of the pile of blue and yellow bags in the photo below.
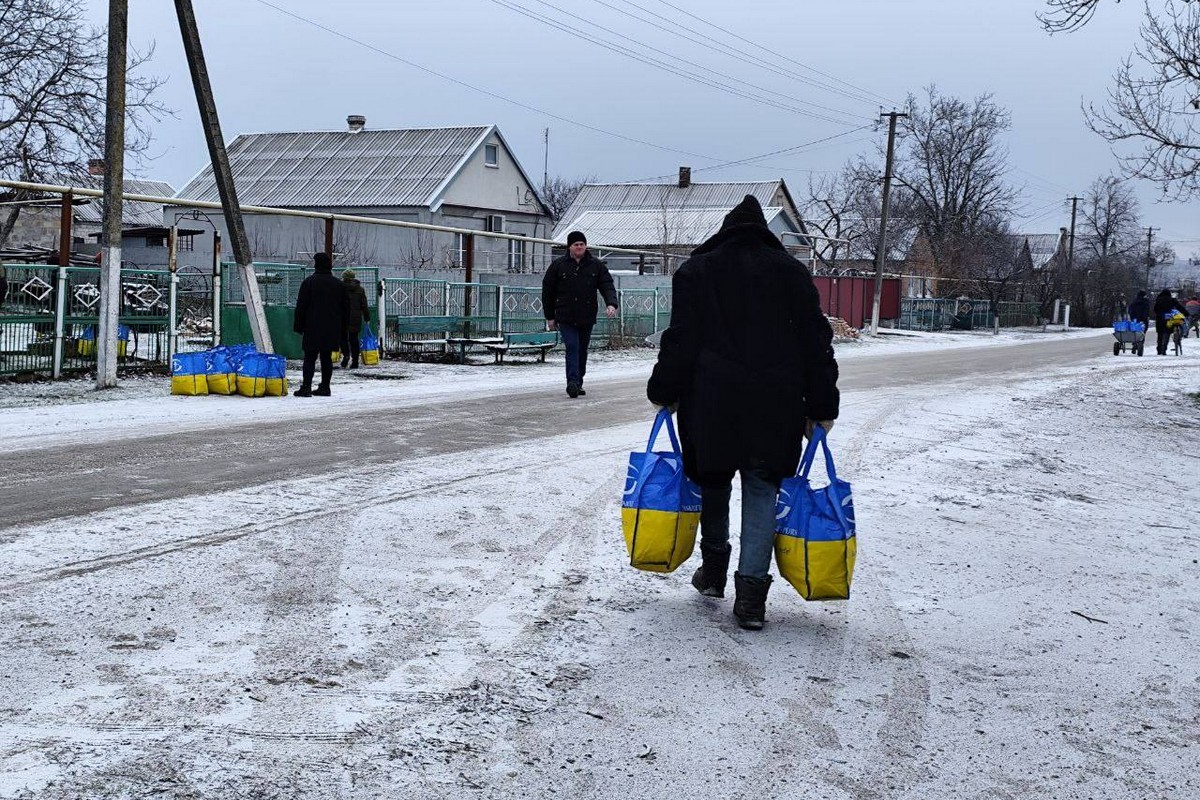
(236, 369)
(815, 544)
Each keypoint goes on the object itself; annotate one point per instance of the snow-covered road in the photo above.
(1022, 623)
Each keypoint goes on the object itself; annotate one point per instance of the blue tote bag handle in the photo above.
(664, 417)
(806, 462)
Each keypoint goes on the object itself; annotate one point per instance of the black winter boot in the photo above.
(750, 601)
(710, 578)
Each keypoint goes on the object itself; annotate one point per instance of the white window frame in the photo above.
(494, 223)
(517, 253)
(493, 149)
(459, 252)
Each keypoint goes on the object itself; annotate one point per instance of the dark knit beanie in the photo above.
(322, 262)
(747, 212)
(575, 236)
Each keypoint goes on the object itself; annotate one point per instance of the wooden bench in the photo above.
(540, 343)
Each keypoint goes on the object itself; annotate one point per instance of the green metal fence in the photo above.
(937, 314)
(50, 314)
(1019, 315)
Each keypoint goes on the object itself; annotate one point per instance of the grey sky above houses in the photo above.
(827, 70)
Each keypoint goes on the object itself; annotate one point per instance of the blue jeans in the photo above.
(575, 340)
(759, 491)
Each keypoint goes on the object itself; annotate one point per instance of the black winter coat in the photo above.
(569, 289)
(748, 355)
(1164, 304)
(358, 310)
(321, 312)
(1139, 309)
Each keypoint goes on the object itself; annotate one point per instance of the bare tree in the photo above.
(1155, 97)
(558, 193)
(1109, 256)
(952, 163)
(846, 208)
(52, 89)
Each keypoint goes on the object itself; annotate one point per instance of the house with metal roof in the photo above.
(465, 177)
(671, 218)
(143, 234)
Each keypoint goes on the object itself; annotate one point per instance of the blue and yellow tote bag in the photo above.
(189, 373)
(369, 345)
(222, 374)
(815, 546)
(661, 507)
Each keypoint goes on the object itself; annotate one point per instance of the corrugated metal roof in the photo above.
(338, 168)
(133, 214)
(659, 196)
(1042, 247)
(686, 227)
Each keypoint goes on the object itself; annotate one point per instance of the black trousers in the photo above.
(1164, 338)
(310, 367)
(352, 345)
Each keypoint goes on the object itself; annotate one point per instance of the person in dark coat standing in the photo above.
(1164, 306)
(569, 301)
(748, 359)
(321, 320)
(358, 311)
(1139, 309)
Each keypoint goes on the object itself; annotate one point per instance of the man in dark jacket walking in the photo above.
(358, 311)
(1165, 306)
(1139, 309)
(569, 303)
(321, 320)
(748, 358)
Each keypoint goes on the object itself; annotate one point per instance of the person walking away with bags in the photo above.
(748, 358)
(358, 311)
(569, 290)
(1139, 309)
(1192, 307)
(1164, 306)
(321, 319)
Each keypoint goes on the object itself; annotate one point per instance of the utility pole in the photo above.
(108, 327)
(1149, 256)
(1070, 256)
(223, 175)
(546, 162)
(881, 251)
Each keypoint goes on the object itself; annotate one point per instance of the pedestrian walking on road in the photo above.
(321, 319)
(1139, 309)
(748, 358)
(358, 311)
(569, 302)
(1164, 306)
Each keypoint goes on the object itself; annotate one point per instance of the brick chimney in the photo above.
(685, 177)
(95, 166)
(356, 122)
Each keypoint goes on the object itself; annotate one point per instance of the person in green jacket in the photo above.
(357, 312)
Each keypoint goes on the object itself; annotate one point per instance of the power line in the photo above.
(715, 83)
(792, 149)
(656, 20)
(474, 88)
(726, 31)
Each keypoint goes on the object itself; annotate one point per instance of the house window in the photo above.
(185, 243)
(495, 223)
(491, 155)
(156, 241)
(459, 254)
(516, 255)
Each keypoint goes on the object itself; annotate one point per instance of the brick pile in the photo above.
(842, 329)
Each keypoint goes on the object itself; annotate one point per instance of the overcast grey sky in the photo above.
(272, 72)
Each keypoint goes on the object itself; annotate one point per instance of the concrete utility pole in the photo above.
(1149, 256)
(108, 325)
(223, 175)
(881, 251)
(1070, 252)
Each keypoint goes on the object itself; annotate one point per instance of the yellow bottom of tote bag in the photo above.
(815, 543)
(660, 510)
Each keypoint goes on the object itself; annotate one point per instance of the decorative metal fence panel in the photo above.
(279, 284)
(1019, 315)
(35, 321)
(937, 314)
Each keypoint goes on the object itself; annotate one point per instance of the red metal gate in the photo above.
(851, 298)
